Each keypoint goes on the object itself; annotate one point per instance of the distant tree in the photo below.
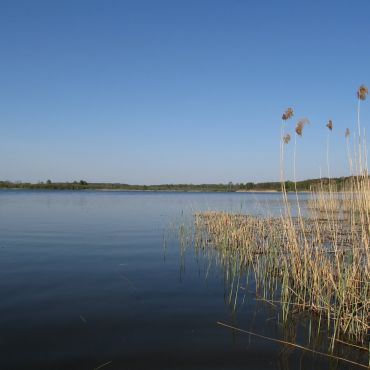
(48, 182)
(83, 182)
(289, 185)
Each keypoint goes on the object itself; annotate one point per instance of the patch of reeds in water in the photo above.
(318, 262)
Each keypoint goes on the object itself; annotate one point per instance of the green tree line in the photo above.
(306, 185)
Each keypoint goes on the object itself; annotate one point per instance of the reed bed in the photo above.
(315, 267)
(317, 261)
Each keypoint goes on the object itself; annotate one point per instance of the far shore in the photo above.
(302, 186)
(157, 191)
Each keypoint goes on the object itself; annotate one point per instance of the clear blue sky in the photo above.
(177, 91)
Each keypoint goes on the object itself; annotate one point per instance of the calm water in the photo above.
(85, 281)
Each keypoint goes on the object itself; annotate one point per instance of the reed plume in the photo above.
(286, 139)
(329, 125)
(362, 92)
(287, 114)
(300, 126)
(347, 134)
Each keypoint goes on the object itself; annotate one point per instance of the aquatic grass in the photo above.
(320, 278)
(316, 263)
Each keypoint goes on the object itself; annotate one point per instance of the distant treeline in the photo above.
(306, 185)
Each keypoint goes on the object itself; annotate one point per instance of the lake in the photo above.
(96, 280)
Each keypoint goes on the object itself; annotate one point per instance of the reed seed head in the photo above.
(329, 125)
(347, 134)
(287, 114)
(362, 92)
(300, 126)
(286, 139)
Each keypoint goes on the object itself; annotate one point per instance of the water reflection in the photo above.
(296, 330)
(92, 278)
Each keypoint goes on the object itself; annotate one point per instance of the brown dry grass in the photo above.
(319, 262)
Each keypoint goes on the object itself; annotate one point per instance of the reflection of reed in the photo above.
(294, 345)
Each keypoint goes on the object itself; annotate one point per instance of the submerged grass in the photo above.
(317, 262)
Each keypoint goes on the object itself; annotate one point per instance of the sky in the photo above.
(178, 91)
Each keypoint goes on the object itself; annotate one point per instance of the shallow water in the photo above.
(90, 279)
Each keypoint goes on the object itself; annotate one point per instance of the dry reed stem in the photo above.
(293, 345)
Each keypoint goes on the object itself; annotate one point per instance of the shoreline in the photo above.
(156, 191)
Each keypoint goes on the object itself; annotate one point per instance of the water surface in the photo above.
(90, 279)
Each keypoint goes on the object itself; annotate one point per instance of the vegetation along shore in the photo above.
(311, 263)
(305, 185)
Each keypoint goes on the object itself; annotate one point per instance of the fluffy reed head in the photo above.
(286, 139)
(347, 134)
(287, 114)
(362, 92)
(300, 126)
(329, 125)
